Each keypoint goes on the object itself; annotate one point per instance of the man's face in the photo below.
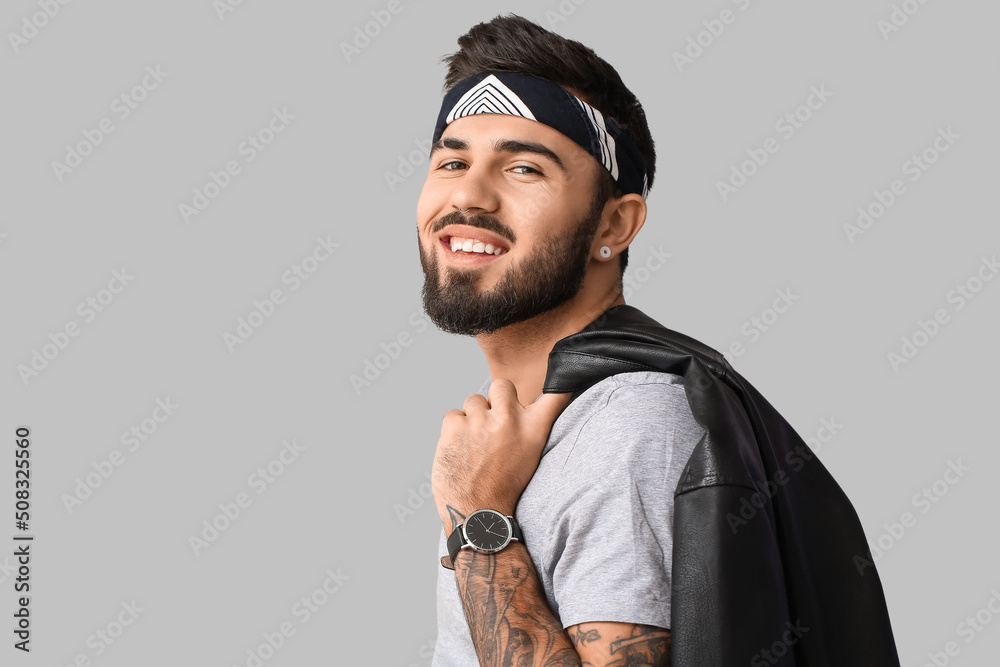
(533, 196)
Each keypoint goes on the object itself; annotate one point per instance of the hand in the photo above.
(489, 450)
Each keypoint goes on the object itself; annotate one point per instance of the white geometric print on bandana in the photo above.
(490, 96)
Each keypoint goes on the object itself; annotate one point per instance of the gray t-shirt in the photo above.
(598, 513)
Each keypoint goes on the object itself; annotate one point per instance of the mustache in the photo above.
(482, 221)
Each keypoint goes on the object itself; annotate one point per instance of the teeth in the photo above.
(474, 245)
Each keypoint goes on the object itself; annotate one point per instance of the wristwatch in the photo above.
(487, 531)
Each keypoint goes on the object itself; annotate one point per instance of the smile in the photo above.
(470, 250)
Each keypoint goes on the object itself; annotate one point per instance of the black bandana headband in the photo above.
(548, 103)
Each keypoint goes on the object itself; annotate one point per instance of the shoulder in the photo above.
(643, 400)
(628, 415)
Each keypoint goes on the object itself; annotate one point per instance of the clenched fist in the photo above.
(489, 450)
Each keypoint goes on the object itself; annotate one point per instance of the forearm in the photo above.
(510, 621)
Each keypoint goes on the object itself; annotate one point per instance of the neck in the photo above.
(520, 352)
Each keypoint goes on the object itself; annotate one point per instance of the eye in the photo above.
(447, 165)
(530, 170)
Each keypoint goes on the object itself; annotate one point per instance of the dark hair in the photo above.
(512, 43)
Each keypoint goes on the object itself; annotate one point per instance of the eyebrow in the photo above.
(501, 146)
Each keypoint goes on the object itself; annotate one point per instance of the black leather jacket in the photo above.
(770, 562)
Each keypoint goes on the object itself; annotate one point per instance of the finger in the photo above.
(475, 402)
(452, 419)
(503, 394)
(548, 407)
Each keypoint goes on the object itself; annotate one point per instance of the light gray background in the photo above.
(367, 454)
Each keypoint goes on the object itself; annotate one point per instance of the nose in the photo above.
(473, 191)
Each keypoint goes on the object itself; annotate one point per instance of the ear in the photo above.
(621, 221)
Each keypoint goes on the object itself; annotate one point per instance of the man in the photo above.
(651, 493)
(538, 174)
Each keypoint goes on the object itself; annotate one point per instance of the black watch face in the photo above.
(487, 530)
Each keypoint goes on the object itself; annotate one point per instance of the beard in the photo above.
(550, 277)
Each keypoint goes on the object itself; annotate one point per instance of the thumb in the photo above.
(549, 406)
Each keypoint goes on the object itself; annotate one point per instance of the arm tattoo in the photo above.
(512, 626)
(456, 518)
(645, 645)
(581, 638)
(510, 622)
(614, 644)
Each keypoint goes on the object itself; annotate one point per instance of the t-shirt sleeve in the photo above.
(615, 537)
